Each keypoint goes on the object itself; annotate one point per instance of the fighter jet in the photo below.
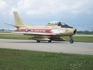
(52, 31)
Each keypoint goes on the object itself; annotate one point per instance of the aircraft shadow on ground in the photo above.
(35, 42)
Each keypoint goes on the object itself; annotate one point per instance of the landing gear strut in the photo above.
(71, 39)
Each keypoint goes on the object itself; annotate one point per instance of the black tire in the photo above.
(50, 41)
(71, 41)
(38, 41)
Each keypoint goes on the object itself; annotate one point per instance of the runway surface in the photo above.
(64, 47)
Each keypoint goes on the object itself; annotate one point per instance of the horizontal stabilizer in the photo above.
(15, 25)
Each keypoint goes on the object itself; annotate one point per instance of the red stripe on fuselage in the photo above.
(35, 30)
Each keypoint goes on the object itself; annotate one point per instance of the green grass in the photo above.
(32, 60)
(76, 38)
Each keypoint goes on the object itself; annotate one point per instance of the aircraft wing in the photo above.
(34, 33)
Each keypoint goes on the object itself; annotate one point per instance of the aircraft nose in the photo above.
(75, 31)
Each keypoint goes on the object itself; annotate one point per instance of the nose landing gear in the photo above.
(71, 40)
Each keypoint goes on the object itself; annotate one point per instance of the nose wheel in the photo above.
(71, 40)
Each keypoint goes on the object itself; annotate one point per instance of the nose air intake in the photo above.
(75, 31)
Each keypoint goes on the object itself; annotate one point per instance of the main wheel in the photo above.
(71, 41)
(50, 41)
(38, 41)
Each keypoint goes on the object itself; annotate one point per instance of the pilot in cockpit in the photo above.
(63, 25)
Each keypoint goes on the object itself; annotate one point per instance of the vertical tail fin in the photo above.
(18, 20)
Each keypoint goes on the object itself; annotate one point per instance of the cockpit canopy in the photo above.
(62, 24)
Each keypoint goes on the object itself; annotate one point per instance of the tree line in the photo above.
(85, 32)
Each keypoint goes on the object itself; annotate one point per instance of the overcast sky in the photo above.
(76, 13)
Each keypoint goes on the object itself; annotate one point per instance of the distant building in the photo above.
(7, 30)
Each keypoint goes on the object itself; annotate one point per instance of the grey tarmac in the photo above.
(55, 46)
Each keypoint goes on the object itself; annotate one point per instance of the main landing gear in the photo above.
(71, 40)
(38, 41)
(55, 38)
(50, 41)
